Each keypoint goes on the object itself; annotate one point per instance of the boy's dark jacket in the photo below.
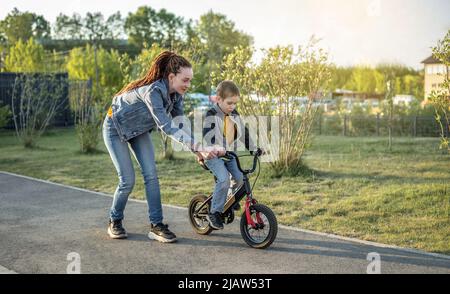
(213, 130)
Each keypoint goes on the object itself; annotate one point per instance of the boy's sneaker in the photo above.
(215, 220)
(237, 206)
(161, 233)
(116, 230)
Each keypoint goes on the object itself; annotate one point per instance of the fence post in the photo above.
(415, 126)
(320, 123)
(378, 124)
(447, 128)
(344, 131)
(2, 57)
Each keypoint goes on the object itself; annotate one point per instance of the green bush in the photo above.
(88, 136)
(5, 115)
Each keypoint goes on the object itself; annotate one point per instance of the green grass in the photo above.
(358, 188)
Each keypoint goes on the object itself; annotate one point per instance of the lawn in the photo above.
(358, 188)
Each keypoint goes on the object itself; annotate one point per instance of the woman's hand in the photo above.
(199, 157)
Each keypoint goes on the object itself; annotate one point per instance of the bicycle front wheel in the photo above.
(266, 228)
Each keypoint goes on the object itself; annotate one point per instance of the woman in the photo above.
(138, 108)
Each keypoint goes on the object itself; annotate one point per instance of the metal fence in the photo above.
(378, 125)
(346, 125)
(64, 117)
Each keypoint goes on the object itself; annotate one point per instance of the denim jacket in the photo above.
(147, 107)
(213, 130)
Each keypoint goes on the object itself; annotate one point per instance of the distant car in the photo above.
(202, 101)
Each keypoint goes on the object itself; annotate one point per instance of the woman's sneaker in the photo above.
(161, 233)
(116, 230)
(215, 220)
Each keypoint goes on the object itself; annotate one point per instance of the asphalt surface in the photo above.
(41, 224)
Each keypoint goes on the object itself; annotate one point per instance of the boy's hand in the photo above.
(221, 153)
(210, 152)
(218, 150)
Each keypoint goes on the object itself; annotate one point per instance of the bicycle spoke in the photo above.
(258, 235)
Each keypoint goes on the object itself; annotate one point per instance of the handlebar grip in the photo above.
(258, 152)
(230, 155)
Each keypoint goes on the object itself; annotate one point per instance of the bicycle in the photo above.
(258, 223)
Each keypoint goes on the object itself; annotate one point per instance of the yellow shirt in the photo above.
(229, 129)
(110, 111)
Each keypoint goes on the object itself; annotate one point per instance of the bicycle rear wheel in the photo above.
(198, 221)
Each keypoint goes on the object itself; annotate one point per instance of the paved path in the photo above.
(41, 223)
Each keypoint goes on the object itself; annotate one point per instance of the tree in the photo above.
(36, 98)
(87, 114)
(406, 80)
(135, 68)
(140, 26)
(26, 56)
(76, 31)
(148, 26)
(95, 27)
(91, 105)
(440, 99)
(339, 77)
(68, 28)
(413, 85)
(5, 115)
(81, 66)
(216, 37)
(373, 80)
(171, 29)
(23, 26)
(115, 24)
(92, 27)
(366, 80)
(272, 87)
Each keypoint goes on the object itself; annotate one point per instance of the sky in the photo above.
(352, 31)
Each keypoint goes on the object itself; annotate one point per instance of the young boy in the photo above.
(224, 127)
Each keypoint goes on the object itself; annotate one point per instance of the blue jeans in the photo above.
(222, 170)
(142, 149)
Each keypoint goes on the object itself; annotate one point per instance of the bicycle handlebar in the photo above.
(231, 154)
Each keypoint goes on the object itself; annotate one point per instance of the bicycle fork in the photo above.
(249, 201)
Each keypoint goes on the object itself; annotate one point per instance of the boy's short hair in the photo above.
(227, 89)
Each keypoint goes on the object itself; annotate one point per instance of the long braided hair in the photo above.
(165, 63)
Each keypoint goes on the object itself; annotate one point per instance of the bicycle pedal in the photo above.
(237, 206)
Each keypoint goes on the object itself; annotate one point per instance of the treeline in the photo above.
(373, 80)
(111, 49)
(117, 39)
